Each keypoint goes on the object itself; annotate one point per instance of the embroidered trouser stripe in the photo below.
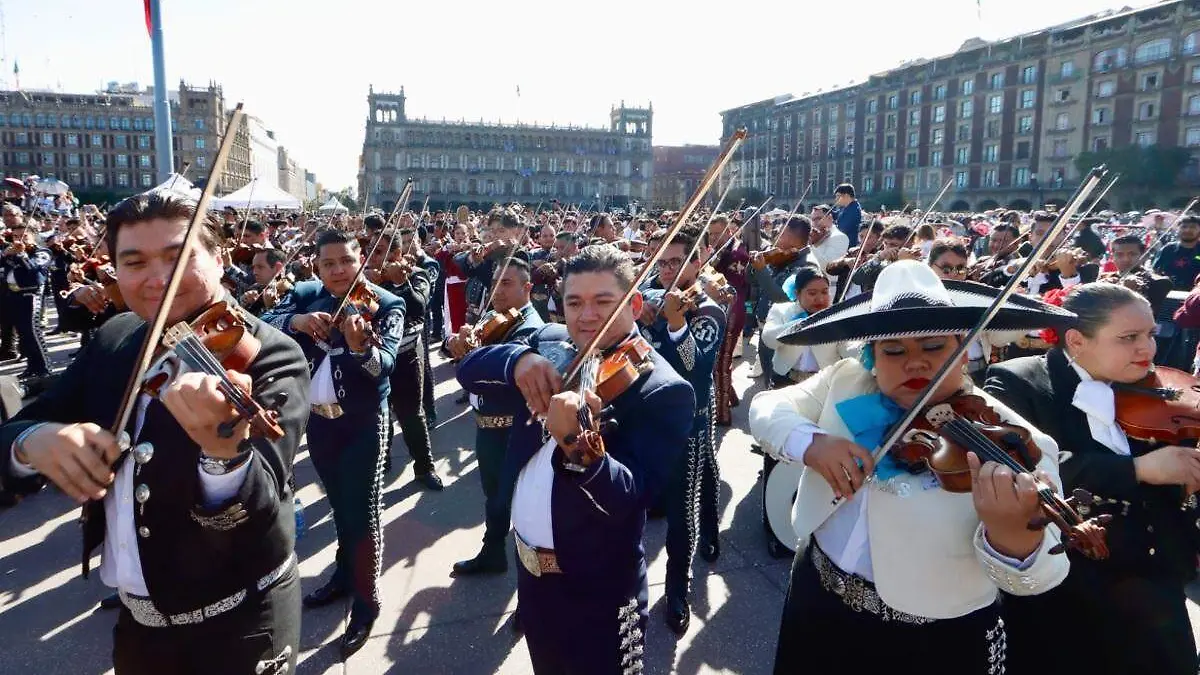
(723, 375)
(683, 512)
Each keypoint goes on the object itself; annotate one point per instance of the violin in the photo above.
(497, 325)
(366, 303)
(608, 376)
(216, 341)
(243, 254)
(782, 257)
(1162, 407)
(940, 438)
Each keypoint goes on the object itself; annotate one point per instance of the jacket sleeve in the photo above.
(378, 361)
(696, 351)
(775, 413)
(280, 316)
(488, 371)
(415, 292)
(776, 321)
(768, 286)
(1188, 314)
(1105, 473)
(613, 488)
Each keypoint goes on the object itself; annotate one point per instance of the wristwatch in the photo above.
(217, 466)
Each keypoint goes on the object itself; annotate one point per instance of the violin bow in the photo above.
(953, 361)
(737, 232)
(1078, 221)
(795, 209)
(1154, 244)
(508, 258)
(925, 214)
(706, 183)
(249, 202)
(700, 239)
(362, 268)
(154, 333)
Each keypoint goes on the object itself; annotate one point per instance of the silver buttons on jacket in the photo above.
(144, 532)
(141, 493)
(143, 452)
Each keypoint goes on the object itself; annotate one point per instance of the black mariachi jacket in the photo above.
(1153, 532)
(189, 558)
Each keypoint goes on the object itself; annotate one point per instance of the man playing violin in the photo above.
(267, 270)
(770, 278)
(504, 230)
(579, 513)
(888, 561)
(494, 417)
(1127, 250)
(350, 358)
(687, 328)
(25, 268)
(197, 527)
(827, 241)
(733, 263)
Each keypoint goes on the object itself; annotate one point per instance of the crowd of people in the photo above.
(563, 324)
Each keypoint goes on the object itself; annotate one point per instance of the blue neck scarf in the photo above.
(868, 417)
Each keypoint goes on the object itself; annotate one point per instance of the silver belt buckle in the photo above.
(330, 411)
(528, 556)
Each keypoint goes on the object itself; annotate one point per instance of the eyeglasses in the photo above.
(670, 263)
(950, 270)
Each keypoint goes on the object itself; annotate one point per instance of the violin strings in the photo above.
(203, 359)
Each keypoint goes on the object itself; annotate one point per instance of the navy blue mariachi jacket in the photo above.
(361, 382)
(599, 516)
(30, 270)
(415, 292)
(695, 353)
(507, 405)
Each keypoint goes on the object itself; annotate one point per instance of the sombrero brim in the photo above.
(855, 320)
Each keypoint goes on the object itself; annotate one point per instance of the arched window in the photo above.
(1154, 50)
(1109, 59)
(40, 119)
(1191, 43)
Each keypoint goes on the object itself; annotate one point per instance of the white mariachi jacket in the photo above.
(786, 356)
(926, 543)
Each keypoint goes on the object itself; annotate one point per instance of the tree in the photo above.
(346, 197)
(752, 195)
(889, 199)
(1144, 170)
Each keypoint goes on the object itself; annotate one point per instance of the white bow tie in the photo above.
(1095, 399)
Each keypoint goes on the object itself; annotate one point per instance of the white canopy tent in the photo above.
(333, 206)
(258, 197)
(177, 183)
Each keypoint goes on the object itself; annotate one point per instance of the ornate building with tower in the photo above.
(483, 163)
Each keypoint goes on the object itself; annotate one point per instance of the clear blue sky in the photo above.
(304, 66)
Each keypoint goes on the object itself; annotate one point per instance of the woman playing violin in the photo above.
(579, 512)
(1131, 610)
(193, 518)
(900, 565)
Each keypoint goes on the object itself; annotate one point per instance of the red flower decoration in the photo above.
(1053, 297)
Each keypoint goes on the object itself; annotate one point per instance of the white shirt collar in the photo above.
(1095, 399)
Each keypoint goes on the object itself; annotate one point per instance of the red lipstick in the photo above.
(1142, 364)
(916, 383)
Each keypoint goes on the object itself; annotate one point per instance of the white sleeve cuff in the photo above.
(677, 335)
(19, 469)
(1019, 565)
(798, 441)
(219, 488)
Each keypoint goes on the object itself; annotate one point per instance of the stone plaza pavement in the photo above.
(50, 622)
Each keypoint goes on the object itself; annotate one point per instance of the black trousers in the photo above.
(24, 310)
(692, 502)
(407, 399)
(820, 633)
(261, 637)
(8, 324)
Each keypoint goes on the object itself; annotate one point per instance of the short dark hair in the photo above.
(799, 223)
(514, 263)
(273, 255)
(332, 235)
(845, 189)
(598, 220)
(373, 222)
(161, 204)
(897, 232)
(602, 258)
(1094, 303)
(1130, 239)
(687, 236)
(876, 225)
(565, 236)
(254, 227)
(1007, 227)
(941, 246)
(1189, 219)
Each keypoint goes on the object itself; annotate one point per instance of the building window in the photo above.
(1029, 75)
(1062, 122)
(910, 181)
(1190, 43)
(74, 178)
(1193, 105)
(1021, 176)
(890, 121)
(992, 130)
(960, 179)
(889, 162)
(22, 158)
(143, 142)
(914, 98)
(964, 132)
(122, 161)
(144, 161)
(1153, 50)
(97, 160)
(939, 92)
(889, 142)
(989, 178)
(935, 158)
(966, 108)
(816, 117)
(97, 142)
(868, 184)
(939, 114)
(123, 179)
(201, 161)
(72, 140)
(1106, 88)
(97, 179)
(833, 114)
(199, 123)
(199, 143)
(147, 180)
(968, 87)
(1146, 111)
(1100, 144)
(872, 106)
(1066, 69)
(1060, 148)
(125, 126)
(121, 142)
(995, 104)
(990, 152)
(47, 159)
(1192, 137)
(938, 136)
(1149, 81)
(997, 81)
(21, 138)
(1100, 116)
(910, 160)
(893, 102)
(869, 164)
(1109, 59)
(1028, 98)
(1022, 150)
(1146, 138)
(1195, 74)
(889, 182)
(914, 118)
(74, 159)
(869, 145)
(851, 110)
(871, 128)
(962, 156)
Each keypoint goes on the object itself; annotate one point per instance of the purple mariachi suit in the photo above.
(735, 265)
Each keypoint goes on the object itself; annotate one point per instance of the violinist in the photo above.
(687, 328)
(347, 430)
(267, 272)
(579, 516)
(733, 263)
(827, 241)
(494, 417)
(769, 279)
(565, 247)
(1127, 250)
(791, 363)
(504, 228)
(1002, 247)
(895, 239)
(838, 271)
(898, 564)
(25, 268)
(63, 252)
(454, 307)
(1180, 259)
(1066, 268)
(197, 529)
(1130, 610)
(543, 255)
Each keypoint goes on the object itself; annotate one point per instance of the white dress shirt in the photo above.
(321, 390)
(1096, 400)
(532, 499)
(120, 565)
(832, 247)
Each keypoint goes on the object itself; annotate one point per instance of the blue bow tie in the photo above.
(868, 417)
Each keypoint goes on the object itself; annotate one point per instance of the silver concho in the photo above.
(141, 493)
(143, 452)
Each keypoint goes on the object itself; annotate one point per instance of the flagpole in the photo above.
(164, 152)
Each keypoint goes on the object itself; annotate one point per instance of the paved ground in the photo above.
(431, 623)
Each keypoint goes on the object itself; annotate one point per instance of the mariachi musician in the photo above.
(197, 528)
(578, 503)
(769, 273)
(1127, 253)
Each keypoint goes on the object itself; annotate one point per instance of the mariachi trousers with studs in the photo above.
(692, 501)
(726, 396)
(348, 454)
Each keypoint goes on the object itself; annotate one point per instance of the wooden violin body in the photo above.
(781, 257)
(1163, 407)
(492, 329)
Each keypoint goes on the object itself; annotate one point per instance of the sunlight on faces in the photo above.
(904, 367)
(512, 290)
(814, 297)
(588, 298)
(263, 271)
(1122, 349)
(670, 263)
(1125, 256)
(337, 265)
(146, 253)
(949, 265)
